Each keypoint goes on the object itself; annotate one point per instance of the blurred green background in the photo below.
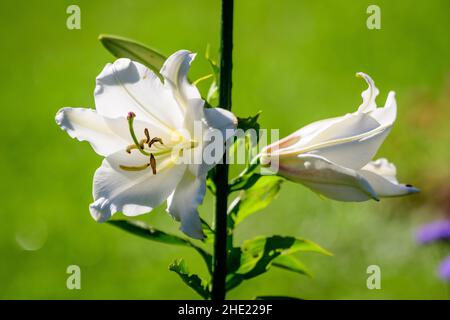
(296, 61)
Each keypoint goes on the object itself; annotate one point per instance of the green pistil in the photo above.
(130, 119)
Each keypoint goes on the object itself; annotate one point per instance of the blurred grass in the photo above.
(296, 61)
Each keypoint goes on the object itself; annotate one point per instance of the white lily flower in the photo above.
(333, 156)
(141, 126)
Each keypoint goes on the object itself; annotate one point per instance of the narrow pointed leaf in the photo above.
(245, 182)
(125, 48)
(192, 280)
(256, 256)
(250, 122)
(291, 263)
(259, 253)
(143, 230)
(259, 196)
(213, 92)
(208, 232)
(210, 184)
(242, 182)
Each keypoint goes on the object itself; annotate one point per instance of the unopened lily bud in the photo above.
(333, 157)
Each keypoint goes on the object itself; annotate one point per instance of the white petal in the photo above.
(348, 126)
(369, 96)
(383, 168)
(126, 86)
(217, 121)
(203, 124)
(332, 131)
(175, 71)
(327, 178)
(386, 116)
(132, 192)
(350, 141)
(381, 175)
(194, 118)
(301, 137)
(87, 125)
(182, 204)
(106, 135)
(354, 154)
(365, 121)
(220, 119)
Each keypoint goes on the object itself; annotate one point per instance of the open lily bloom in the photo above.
(142, 126)
(333, 156)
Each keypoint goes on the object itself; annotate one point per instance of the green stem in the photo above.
(221, 177)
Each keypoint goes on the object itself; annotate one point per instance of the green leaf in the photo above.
(208, 232)
(143, 230)
(213, 63)
(246, 178)
(125, 48)
(291, 263)
(250, 122)
(256, 198)
(192, 280)
(257, 254)
(276, 298)
(206, 257)
(245, 182)
(232, 281)
(210, 184)
(213, 92)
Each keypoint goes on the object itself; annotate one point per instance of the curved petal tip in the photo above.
(101, 210)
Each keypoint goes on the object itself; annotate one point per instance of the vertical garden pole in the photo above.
(221, 178)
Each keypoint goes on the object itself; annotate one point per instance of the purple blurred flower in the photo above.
(435, 231)
(444, 269)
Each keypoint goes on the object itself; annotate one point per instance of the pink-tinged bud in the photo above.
(130, 115)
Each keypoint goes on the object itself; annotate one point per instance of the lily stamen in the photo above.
(161, 149)
(147, 135)
(133, 146)
(154, 140)
(142, 144)
(153, 163)
(134, 168)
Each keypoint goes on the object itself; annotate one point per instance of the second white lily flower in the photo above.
(138, 123)
(333, 157)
